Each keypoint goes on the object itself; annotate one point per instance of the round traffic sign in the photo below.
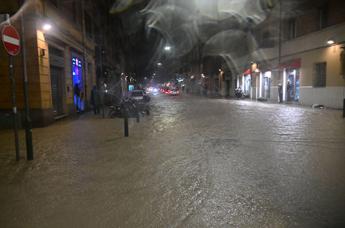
(11, 40)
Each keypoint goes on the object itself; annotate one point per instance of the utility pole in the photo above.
(14, 103)
(28, 122)
(280, 35)
(280, 92)
(84, 52)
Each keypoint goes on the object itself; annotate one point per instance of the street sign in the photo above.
(11, 40)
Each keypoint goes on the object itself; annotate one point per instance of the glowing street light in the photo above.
(159, 64)
(167, 48)
(330, 42)
(46, 26)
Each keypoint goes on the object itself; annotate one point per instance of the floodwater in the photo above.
(194, 162)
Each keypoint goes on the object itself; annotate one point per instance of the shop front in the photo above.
(292, 85)
(266, 84)
(246, 83)
(291, 80)
(57, 79)
(78, 83)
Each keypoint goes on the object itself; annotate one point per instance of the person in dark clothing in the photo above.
(76, 91)
(95, 100)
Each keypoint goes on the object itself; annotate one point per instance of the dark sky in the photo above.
(142, 44)
(149, 25)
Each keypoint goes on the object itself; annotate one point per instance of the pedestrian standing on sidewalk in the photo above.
(76, 91)
(82, 102)
(95, 100)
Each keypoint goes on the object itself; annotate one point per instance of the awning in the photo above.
(246, 72)
(293, 64)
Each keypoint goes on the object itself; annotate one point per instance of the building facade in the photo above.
(61, 57)
(304, 61)
(295, 55)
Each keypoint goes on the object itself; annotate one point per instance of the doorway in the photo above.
(246, 85)
(56, 77)
(293, 85)
(267, 87)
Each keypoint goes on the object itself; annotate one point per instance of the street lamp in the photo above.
(167, 48)
(330, 42)
(46, 27)
(159, 64)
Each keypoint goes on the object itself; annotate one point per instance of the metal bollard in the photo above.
(126, 126)
(138, 117)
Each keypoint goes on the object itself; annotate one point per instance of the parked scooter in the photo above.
(115, 111)
(238, 93)
(129, 107)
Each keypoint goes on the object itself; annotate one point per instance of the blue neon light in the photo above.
(77, 77)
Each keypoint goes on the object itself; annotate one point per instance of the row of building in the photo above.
(71, 46)
(299, 53)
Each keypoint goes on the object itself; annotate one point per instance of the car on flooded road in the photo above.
(174, 92)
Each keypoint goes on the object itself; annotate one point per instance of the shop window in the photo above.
(319, 79)
(266, 40)
(323, 16)
(292, 28)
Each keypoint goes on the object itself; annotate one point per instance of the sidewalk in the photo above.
(63, 134)
(290, 103)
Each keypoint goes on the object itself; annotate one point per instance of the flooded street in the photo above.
(195, 162)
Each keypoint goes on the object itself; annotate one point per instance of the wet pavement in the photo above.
(194, 162)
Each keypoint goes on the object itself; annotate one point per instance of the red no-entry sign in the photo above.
(11, 40)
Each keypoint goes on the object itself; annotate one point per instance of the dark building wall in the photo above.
(336, 12)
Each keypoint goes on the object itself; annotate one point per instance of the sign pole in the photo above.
(11, 41)
(14, 103)
(28, 122)
(138, 117)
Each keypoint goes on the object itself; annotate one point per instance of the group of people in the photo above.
(79, 99)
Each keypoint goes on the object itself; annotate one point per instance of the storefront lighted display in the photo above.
(77, 74)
